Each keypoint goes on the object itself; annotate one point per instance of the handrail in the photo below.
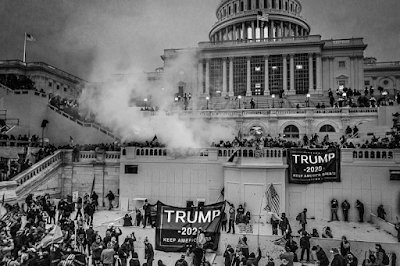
(81, 123)
(38, 168)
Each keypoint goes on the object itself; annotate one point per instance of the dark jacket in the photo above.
(337, 260)
(254, 261)
(322, 258)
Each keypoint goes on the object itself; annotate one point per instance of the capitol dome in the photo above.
(258, 19)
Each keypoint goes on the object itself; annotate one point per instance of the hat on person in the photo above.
(334, 250)
(252, 255)
(183, 256)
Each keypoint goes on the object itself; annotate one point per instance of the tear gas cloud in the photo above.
(117, 105)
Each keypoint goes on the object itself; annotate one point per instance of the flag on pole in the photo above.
(273, 201)
(71, 139)
(92, 189)
(30, 38)
(234, 154)
(54, 236)
(262, 17)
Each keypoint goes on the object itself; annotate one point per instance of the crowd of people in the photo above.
(15, 82)
(42, 233)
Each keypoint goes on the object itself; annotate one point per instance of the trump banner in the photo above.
(313, 165)
(179, 228)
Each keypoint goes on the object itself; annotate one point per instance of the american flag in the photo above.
(29, 37)
(262, 17)
(273, 201)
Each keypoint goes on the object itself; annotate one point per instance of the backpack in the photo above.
(298, 217)
(385, 260)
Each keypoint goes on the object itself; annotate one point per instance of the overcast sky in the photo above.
(93, 38)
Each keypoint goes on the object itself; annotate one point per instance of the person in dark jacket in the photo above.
(292, 245)
(149, 252)
(253, 260)
(135, 260)
(147, 213)
(344, 246)
(334, 207)
(228, 255)
(284, 225)
(381, 212)
(360, 208)
(127, 220)
(110, 196)
(345, 210)
(288, 256)
(183, 262)
(321, 256)
(305, 245)
(350, 260)
(337, 258)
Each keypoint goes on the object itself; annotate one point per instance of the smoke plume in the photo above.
(119, 103)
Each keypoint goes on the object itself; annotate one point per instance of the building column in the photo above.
(292, 89)
(262, 31)
(271, 29)
(296, 30)
(244, 31)
(234, 33)
(356, 81)
(331, 74)
(310, 73)
(280, 31)
(200, 88)
(231, 93)
(207, 77)
(352, 73)
(290, 29)
(319, 73)
(227, 33)
(397, 88)
(220, 36)
(224, 90)
(361, 73)
(284, 81)
(248, 87)
(266, 76)
(253, 31)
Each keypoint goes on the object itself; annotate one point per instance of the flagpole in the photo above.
(24, 57)
(259, 218)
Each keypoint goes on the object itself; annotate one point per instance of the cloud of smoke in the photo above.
(117, 105)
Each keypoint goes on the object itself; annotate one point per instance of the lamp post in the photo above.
(273, 100)
(145, 103)
(207, 98)
(308, 100)
(239, 97)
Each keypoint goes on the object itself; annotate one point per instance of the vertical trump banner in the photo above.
(313, 165)
(177, 228)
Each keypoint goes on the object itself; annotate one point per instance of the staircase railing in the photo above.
(82, 124)
(38, 168)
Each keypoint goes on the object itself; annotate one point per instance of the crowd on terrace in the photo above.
(15, 82)
(46, 232)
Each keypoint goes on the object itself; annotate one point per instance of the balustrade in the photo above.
(375, 154)
(38, 168)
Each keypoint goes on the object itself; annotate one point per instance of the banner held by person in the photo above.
(313, 165)
(177, 228)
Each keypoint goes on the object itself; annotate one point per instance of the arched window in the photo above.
(291, 132)
(241, 6)
(286, 6)
(266, 4)
(257, 4)
(273, 4)
(248, 4)
(280, 5)
(327, 128)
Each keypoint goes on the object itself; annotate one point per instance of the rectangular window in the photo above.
(342, 64)
(275, 68)
(131, 169)
(257, 64)
(301, 82)
(367, 83)
(342, 82)
(239, 75)
(65, 89)
(215, 76)
(50, 84)
(58, 87)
